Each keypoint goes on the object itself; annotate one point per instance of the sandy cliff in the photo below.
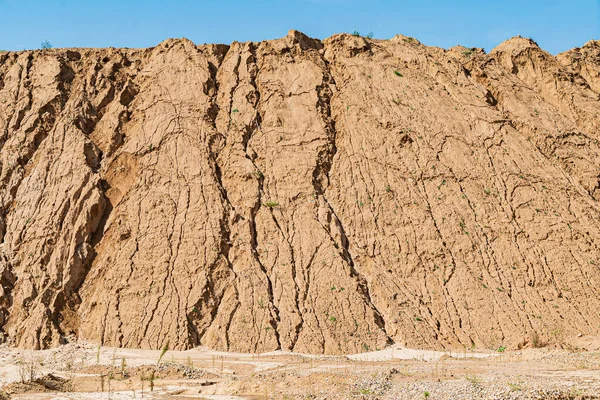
(322, 197)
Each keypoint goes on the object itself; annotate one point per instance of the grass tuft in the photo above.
(165, 348)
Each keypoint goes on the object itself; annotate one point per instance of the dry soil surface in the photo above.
(82, 371)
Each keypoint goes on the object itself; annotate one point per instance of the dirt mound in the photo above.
(167, 370)
(47, 383)
(320, 196)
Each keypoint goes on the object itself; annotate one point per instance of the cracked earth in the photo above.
(325, 197)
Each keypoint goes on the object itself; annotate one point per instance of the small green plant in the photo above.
(332, 319)
(46, 45)
(123, 365)
(468, 53)
(272, 204)
(110, 378)
(388, 189)
(474, 379)
(515, 387)
(143, 379)
(235, 110)
(165, 348)
(536, 341)
(463, 228)
(369, 35)
(426, 394)
(501, 349)
(418, 319)
(397, 73)
(151, 380)
(29, 369)
(356, 33)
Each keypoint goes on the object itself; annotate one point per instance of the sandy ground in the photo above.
(392, 373)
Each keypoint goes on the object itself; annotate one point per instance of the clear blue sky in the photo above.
(556, 25)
